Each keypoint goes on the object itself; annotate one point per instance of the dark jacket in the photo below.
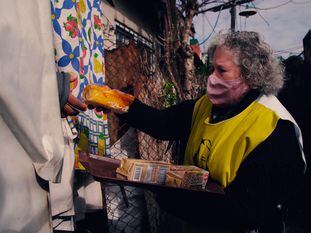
(265, 181)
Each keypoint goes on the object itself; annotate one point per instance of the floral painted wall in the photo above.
(79, 51)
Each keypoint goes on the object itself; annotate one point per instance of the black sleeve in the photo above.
(266, 179)
(172, 123)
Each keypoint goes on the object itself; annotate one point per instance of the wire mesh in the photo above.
(132, 69)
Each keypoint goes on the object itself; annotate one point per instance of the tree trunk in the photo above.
(189, 84)
(171, 36)
(179, 59)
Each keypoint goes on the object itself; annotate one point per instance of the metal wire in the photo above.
(131, 69)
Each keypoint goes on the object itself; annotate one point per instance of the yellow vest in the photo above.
(221, 147)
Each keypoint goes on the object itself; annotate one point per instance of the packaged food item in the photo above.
(103, 96)
(162, 173)
(143, 170)
(187, 177)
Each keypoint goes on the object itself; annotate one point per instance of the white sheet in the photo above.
(31, 138)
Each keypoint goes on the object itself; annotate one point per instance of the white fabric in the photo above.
(90, 193)
(61, 194)
(23, 203)
(31, 138)
(275, 105)
(65, 224)
(28, 90)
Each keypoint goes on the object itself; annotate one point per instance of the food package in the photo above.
(103, 96)
(143, 170)
(156, 172)
(187, 177)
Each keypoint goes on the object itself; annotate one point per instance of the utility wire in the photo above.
(204, 3)
(263, 18)
(240, 18)
(295, 2)
(292, 47)
(290, 50)
(284, 52)
(213, 30)
(209, 22)
(274, 7)
(283, 4)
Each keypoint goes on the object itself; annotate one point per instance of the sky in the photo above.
(282, 23)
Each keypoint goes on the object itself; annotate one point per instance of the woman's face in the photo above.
(223, 65)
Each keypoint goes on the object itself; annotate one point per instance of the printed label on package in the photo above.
(137, 173)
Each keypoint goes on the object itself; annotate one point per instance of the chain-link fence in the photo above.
(134, 70)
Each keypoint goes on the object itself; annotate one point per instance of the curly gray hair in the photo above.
(260, 69)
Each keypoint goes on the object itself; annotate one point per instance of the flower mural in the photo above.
(71, 26)
(98, 43)
(55, 14)
(83, 69)
(69, 4)
(71, 56)
(79, 51)
(97, 22)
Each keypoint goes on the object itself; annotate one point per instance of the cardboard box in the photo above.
(162, 173)
(143, 170)
(187, 177)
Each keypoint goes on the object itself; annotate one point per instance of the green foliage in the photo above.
(203, 69)
(169, 97)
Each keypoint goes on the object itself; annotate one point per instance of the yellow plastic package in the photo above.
(103, 96)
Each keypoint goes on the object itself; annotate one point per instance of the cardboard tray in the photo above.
(103, 169)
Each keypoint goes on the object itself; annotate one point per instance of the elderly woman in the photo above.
(240, 133)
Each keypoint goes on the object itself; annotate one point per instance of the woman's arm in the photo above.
(172, 123)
